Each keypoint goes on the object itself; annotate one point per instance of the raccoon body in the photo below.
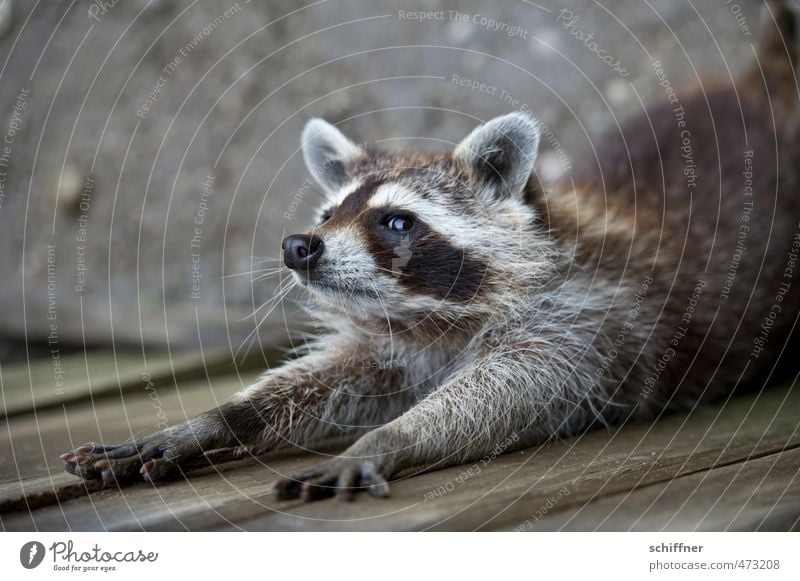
(469, 305)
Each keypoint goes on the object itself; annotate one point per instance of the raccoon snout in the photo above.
(301, 251)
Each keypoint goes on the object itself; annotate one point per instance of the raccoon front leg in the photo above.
(314, 397)
(497, 399)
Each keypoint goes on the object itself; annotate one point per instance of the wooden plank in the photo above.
(144, 506)
(496, 494)
(94, 374)
(762, 494)
(44, 383)
(599, 464)
(30, 444)
(77, 326)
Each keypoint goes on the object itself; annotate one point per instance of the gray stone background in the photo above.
(85, 160)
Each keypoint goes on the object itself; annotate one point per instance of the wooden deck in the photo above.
(733, 466)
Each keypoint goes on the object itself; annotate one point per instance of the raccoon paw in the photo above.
(151, 459)
(342, 477)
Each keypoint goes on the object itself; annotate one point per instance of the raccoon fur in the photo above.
(467, 304)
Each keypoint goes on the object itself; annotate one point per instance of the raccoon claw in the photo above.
(149, 460)
(340, 477)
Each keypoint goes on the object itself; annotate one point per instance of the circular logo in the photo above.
(31, 554)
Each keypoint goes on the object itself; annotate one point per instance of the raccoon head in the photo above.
(409, 236)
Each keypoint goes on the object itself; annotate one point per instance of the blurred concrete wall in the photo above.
(151, 148)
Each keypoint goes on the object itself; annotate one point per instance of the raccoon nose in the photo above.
(302, 251)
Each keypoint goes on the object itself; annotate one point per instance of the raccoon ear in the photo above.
(326, 151)
(499, 154)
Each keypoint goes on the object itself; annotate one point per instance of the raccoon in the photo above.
(468, 305)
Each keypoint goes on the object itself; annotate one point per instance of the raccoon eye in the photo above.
(400, 223)
(325, 217)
